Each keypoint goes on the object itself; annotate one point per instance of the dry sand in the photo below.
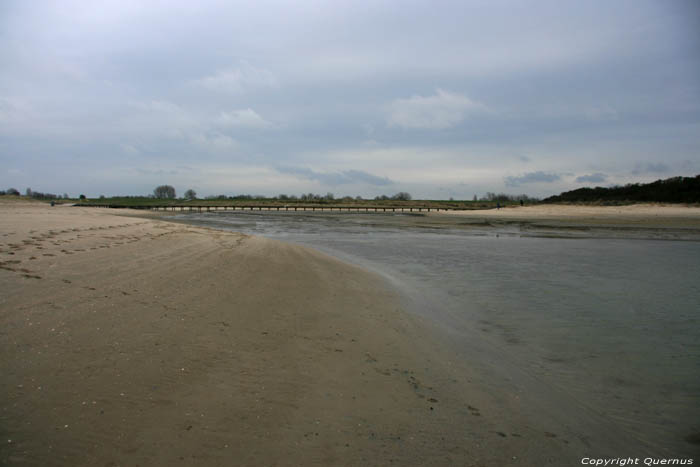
(134, 341)
(130, 341)
(641, 215)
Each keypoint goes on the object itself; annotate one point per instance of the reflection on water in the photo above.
(611, 323)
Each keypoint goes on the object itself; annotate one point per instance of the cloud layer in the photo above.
(439, 111)
(243, 118)
(116, 97)
(237, 80)
(532, 177)
(334, 179)
(592, 178)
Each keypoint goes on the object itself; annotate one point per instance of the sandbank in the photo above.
(641, 221)
(643, 215)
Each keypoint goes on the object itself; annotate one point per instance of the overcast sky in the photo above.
(440, 99)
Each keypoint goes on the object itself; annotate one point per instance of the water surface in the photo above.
(602, 332)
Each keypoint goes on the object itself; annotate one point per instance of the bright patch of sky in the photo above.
(437, 98)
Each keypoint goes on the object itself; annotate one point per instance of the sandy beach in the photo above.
(640, 214)
(653, 221)
(135, 341)
(139, 342)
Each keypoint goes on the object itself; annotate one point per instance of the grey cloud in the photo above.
(157, 172)
(657, 168)
(364, 177)
(592, 178)
(689, 165)
(244, 118)
(532, 177)
(650, 168)
(336, 178)
(238, 79)
(442, 110)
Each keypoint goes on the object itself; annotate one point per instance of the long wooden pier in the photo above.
(281, 207)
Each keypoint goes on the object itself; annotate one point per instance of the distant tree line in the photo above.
(168, 192)
(33, 194)
(504, 198)
(670, 190)
(400, 196)
(304, 197)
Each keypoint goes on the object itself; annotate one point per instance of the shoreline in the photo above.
(653, 222)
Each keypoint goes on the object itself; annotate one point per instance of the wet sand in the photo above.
(129, 341)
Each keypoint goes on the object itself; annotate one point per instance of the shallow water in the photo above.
(608, 328)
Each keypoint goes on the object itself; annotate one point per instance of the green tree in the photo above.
(402, 196)
(164, 192)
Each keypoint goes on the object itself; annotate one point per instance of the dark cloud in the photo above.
(336, 178)
(364, 177)
(532, 177)
(592, 178)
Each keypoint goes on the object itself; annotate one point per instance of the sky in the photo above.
(436, 98)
